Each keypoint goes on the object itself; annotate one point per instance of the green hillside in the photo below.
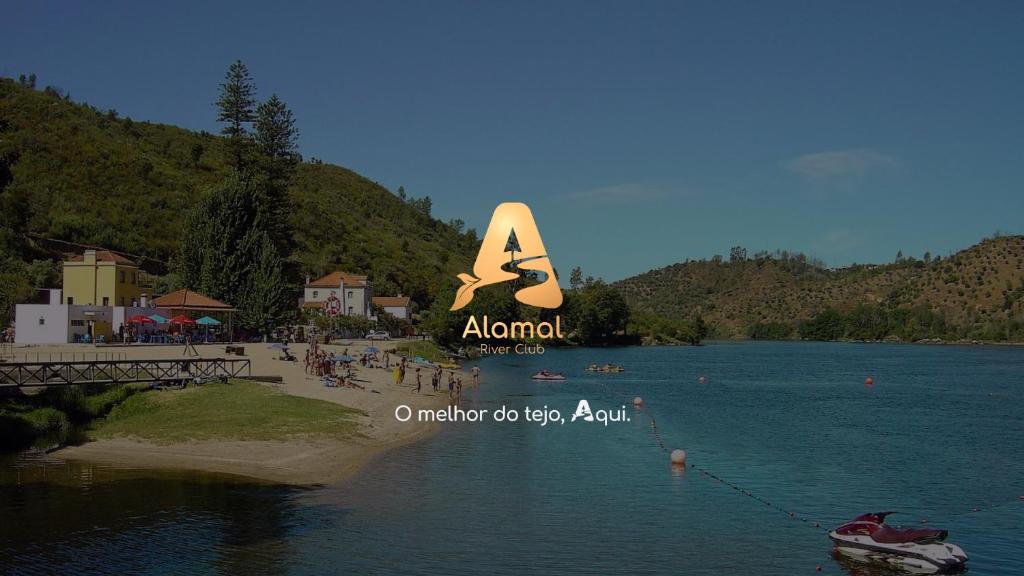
(77, 173)
(977, 293)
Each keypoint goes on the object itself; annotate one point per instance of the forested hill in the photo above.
(977, 293)
(78, 173)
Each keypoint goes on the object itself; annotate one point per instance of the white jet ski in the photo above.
(922, 550)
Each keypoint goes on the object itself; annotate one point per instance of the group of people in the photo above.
(323, 364)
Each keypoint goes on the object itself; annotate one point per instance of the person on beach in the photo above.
(387, 360)
(418, 383)
(435, 381)
(476, 375)
(451, 388)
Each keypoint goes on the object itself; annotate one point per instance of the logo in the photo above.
(511, 233)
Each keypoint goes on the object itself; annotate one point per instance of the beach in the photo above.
(299, 460)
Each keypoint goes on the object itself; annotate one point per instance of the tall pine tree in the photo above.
(276, 137)
(236, 103)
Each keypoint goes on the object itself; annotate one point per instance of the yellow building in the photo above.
(101, 278)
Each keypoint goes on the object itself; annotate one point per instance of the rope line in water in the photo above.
(809, 521)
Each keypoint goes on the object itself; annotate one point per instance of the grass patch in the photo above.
(425, 348)
(239, 410)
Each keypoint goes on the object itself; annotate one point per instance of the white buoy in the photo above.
(638, 401)
(678, 457)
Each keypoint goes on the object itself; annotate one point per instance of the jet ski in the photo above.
(922, 550)
(545, 375)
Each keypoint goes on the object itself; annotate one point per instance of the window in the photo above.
(135, 277)
(42, 321)
(122, 300)
(71, 301)
(349, 293)
(349, 310)
(78, 323)
(106, 299)
(122, 276)
(315, 293)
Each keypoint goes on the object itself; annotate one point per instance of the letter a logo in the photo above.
(512, 230)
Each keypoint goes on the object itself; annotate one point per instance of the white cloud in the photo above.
(838, 163)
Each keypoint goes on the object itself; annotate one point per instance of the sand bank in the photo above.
(299, 461)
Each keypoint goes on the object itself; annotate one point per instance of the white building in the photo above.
(352, 291)
(398, 306)
(51, 322)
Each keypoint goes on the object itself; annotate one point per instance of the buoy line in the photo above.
(641, 406)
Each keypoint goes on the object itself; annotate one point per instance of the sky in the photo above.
(640, 133)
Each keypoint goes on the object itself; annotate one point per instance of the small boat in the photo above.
(922, 550)
(448, 365)
(614, 368)
(545, 375)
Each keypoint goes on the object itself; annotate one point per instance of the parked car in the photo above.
(378, 335)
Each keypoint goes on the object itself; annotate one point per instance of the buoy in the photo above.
(638, 401)
(678, 457)
(702, 380)
(818, 569)
(869, 381)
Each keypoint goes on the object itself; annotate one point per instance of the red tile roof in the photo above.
(185, 299)
(391, 301)
(336, 278)
(105, 256)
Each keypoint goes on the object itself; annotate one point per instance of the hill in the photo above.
(73, 172)
(977, 293)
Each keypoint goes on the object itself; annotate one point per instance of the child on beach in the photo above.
(476, 375)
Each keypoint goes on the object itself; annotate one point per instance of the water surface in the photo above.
(939, 434)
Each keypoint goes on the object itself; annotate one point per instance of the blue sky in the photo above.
(641, 133)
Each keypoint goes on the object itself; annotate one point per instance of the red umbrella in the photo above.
(140, 319)
(183, 320)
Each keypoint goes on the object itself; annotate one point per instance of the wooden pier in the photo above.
(76, 372)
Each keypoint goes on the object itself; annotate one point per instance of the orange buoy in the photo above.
(678, 457)
(869, 381)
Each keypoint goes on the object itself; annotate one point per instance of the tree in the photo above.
(276, 142)
(700, 330)
(236, 102)
(576, 279)
(265, 297)
(737, 254)
(212, 259)
(197, 153)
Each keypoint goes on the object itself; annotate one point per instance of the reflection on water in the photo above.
(85, 519)
(941, 432)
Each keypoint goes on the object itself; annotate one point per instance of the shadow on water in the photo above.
(69, 518)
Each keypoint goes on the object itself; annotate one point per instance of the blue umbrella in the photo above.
(207, 321)
(343, 358)
(372, 350)
(158, 319)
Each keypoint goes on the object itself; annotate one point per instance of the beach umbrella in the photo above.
(140, 319)
(158, 319)
(183, 320)
(372, 349)
(207, 321)
(343, 358)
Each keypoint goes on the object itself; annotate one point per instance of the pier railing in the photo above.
(70, 373)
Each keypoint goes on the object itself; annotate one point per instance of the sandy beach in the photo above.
(300, 461)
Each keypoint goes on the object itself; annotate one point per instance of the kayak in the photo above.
(545, 375)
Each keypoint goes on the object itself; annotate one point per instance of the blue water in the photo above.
(939, 434)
